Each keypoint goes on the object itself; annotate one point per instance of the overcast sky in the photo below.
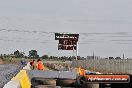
(75, 16)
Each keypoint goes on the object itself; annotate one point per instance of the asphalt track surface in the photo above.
(7, 71)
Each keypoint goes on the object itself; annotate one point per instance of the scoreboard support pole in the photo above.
(73, 50)
(76, 51)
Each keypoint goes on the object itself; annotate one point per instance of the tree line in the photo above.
(33, 54)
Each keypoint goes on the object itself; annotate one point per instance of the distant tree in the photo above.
(1, 55)
(63, 57)
(118, 58)
(33, 54)
(70, 58)
(4, 55)
(17, 54)
(51, 57)
(73, 57)
(78, 57)
(26, 57)
(21, 55)
(45, 57)
(111, 57)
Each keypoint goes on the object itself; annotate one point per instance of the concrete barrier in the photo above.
(21, 80)
(12, 84)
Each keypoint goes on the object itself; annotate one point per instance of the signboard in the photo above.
(66, 47)
(59, 36)
(67, 41)
(107, 78)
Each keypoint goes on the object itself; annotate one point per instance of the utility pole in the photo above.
(93, 56)
(73, 50)
(123, 56)
(94, 61)
(76, 50)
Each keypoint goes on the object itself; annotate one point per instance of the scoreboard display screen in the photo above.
(59, 36)
(68, 42)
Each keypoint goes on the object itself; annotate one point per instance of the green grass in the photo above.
(11, 60)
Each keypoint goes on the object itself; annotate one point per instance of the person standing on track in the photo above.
(32, 64)
(40, 65)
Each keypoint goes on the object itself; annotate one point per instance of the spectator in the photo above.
(40, 65)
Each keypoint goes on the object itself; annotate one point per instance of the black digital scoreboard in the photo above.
(67, 41)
